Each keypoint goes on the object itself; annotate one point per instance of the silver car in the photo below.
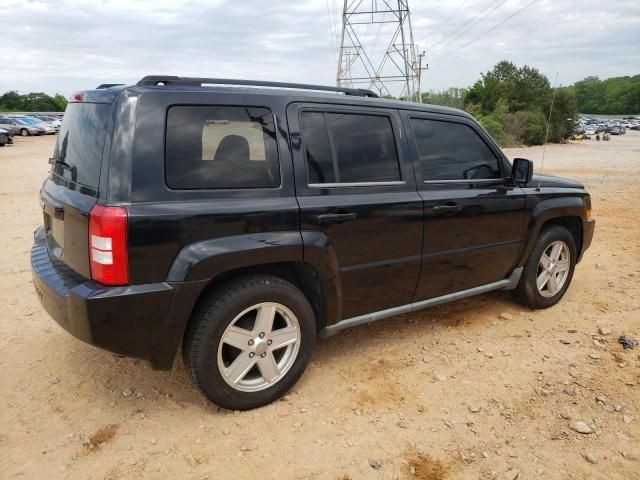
(10, 125)
(31, 126)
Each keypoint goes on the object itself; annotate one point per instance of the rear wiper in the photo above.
(54, 161)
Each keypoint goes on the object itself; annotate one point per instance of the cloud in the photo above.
(65, 45)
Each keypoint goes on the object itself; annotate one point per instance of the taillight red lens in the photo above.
(108, 245)
(76, 97)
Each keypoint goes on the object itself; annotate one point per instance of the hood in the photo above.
(553, 181)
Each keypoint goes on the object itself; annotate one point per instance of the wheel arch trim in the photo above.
(207, 260)
(543, 212)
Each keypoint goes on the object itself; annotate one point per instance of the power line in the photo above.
(487, 31)
(437, 29)
(333, 28)
(472, 26)
(465, 23)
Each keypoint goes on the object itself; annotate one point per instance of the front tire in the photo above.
(250, 341)
(24, 132)
(549, 269)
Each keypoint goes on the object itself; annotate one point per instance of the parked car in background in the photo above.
(10, 125)
(5, 137)
(616, 131)
(51, 126)
(28, 128)
(47, 128)
(55, 121)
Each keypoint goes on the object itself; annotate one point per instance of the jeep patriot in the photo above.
(239, 220)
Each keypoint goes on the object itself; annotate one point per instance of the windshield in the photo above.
(78, 151)
(28, 120)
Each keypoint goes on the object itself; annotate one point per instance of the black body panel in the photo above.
(377, 233)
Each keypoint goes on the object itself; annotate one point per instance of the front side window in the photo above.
(349, 148)
(221, 147)
(452, 151)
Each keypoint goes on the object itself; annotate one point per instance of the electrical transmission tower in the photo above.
(399, 63)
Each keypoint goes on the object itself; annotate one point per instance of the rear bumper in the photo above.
(141, 321)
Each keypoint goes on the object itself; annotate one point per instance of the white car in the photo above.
(56, 122)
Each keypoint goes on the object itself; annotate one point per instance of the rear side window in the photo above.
(80, 144)
(349, 148)
(221, 147)
(452, 151)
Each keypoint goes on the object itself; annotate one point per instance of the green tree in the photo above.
(452, 97)
(59, 102)
(518, 99)
(613, 96)
(11, 100)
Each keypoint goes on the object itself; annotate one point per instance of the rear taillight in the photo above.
(108, 245)
(77, 97)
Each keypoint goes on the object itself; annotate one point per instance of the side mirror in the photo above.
(522, 171)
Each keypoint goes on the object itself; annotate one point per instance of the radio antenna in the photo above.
(546, 137)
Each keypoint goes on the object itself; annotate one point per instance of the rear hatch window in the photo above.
(72, 190)
(78, 152)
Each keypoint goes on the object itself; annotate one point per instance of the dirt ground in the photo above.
(483, 388)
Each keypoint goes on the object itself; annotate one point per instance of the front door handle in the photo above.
(447, 208)
(326, 218)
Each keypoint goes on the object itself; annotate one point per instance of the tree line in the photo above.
(32, 102)
(613, 96)
(512, 103)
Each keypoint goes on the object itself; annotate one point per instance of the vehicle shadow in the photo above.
(127, 385)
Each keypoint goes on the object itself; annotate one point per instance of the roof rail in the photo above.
(108, 85)
(172, 80)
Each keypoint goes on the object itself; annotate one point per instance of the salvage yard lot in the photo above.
(482, 388)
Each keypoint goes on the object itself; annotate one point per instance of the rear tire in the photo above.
(549, 269)
(24, 132)
(249, 341)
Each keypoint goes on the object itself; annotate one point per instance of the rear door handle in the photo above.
(447, 208)
(326, 218)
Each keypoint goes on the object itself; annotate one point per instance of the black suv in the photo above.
(240, 220)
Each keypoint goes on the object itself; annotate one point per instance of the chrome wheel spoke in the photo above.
(268, 367)
(283, 337)
(237, 337)
(553, 284)
(545, 261)
(562, 265)
(543, 278)
(239, 368)
(556, 249)
(264, 318)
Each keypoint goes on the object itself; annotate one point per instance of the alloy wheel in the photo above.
(259, 346)
(553, 269)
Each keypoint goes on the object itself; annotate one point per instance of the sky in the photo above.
(63, 46)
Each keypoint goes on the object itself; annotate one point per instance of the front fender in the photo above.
(544, 211)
